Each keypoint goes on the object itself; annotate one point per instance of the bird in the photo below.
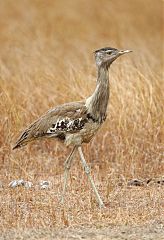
(76, 123)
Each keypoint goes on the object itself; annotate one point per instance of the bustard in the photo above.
(76, 123)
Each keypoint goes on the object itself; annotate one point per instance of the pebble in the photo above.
(158, 181)
(44, 184)
(20, 182)
(135, 182)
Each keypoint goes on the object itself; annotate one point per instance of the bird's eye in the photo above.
(109, 52)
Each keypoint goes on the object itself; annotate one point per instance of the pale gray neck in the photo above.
(98, 102)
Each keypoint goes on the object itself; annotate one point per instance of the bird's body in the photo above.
(69, 123)
(76, 123)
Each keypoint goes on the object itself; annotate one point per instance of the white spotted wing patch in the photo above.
(67, 125)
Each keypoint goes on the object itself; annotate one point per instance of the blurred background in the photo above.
(68, 32)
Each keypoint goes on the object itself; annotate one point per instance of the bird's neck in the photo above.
(97, 103)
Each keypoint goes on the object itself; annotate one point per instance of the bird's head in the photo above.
(105, 56)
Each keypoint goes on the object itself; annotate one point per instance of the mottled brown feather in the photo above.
(39, 128)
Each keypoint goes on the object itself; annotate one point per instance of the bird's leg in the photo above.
(67, 166)
(87, 171)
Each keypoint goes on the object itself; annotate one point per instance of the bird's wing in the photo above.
(66, 118)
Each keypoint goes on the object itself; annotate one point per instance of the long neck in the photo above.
(97, 103)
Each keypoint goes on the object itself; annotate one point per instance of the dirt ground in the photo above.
(135, 213)
(151, 231)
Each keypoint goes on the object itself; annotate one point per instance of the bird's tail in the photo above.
(23, 139)
(30, 133)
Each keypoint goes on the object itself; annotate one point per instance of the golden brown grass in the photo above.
(46, 59)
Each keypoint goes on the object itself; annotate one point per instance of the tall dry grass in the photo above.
(46, 59)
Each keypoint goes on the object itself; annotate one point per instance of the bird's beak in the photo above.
(124, 51)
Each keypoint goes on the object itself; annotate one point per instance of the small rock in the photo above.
(135, 182)
(16, 183)
(155, 181)
(44, 184)
(20, 182)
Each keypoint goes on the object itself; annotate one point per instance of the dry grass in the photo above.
(46, 59)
